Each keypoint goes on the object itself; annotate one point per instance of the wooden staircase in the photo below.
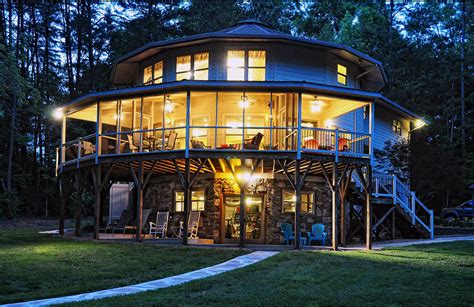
(395, 199)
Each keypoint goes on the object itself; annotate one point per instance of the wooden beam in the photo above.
(368, 210)
(187, 200)
(334, 206)
(78, 203)
(297, 186)
(96, 179)
(139, 217)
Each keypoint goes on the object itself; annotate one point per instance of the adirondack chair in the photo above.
(125, 219)
(193, 225)
(145, 214)
(288, 234)
(160, 227)
(317, 234)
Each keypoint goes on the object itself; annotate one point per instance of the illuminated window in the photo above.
(238, 69)
(201, 66)
(341, 74)
(193, 67)
(289, 202)
(257, 65)
(198, 199)
(158, 73)
(236, 65)
(153, 74)
(396, 126)
(148, 75)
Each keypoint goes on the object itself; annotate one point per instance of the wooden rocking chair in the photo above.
(193, 225)
(161, 225)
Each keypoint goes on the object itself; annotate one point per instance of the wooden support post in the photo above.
(368, 210)
(393, 223)
(298, 203)
(139, 216)
(78, 203)
(187, 200)
(242, 215)
(345, 180)
(62, 203)
(334, 206)
(97, 179)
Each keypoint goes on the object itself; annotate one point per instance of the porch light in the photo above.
(419, 123)
(168, 105)
(244, 102)
(244, 176)
(329, 124)
(58, 114)
(316, 105)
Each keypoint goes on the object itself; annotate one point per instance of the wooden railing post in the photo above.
(336, 145)
(431, 225)
(413, 208)
(394, 189)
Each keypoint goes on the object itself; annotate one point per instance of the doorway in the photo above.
(254, 218)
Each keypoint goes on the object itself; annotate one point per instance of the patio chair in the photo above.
(145, 214)
(289, 235)
(134, 142)
(199, 145)
(317, 234)
(160, 227)
(254, 143)
(171, 140)
(193, 225)
(125, 219)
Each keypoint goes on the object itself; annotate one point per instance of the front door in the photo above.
(254, 219)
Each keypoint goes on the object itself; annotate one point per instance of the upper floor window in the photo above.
(246, 65)
(396, 126)
(194, 67)
(153, 74)
(198, 199)
(289, 202)
(341, 74)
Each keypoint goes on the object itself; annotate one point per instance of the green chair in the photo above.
(317, 234)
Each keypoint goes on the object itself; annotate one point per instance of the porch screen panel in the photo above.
(203, 120)
(109, 124)
(175, 121)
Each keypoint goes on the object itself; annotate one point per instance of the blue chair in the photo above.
(317, 234)
(288, 234)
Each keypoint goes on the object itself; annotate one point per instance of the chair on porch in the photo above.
(193, 225)
(254, 143)
(317, 234)
(289, 235)
(145, 215)
(125, 219)
(160, 227)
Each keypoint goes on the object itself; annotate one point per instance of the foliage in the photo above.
(52, 52)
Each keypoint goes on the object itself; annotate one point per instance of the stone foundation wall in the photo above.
(159, 196)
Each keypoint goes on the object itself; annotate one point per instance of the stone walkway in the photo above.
(427, 241)
(238, 262)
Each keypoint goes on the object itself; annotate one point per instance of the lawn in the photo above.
(35, 266)
(436, 274)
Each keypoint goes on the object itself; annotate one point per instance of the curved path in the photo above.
(238, 262)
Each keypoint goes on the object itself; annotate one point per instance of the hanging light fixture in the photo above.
(316, 105)
(168, 105)
(244, 101)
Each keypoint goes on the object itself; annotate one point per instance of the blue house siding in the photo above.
(383, 128)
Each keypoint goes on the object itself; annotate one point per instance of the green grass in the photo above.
(35, 266)
(436, 274)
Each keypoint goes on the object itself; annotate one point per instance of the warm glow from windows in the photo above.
(147, 75)
(236, 68)
(341, 74)
(198, 199)
(236, 65)
(153, 74)
(158, 72)
(193, 67)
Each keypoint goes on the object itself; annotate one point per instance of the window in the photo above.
(198, 199)
(397, 126)
(289, 202)
(246, 65)
(153, 74)
(193, 67)
(256, 66)
(341, 74)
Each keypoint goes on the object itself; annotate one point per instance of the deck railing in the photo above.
(199, 138)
